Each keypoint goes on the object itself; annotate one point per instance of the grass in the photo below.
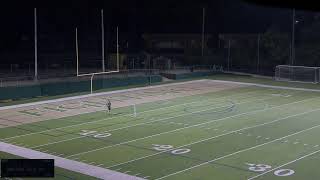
(60, 173)
(233, 134)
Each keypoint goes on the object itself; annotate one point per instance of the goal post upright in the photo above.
(77, 51)
(95, 73)
(117, 48)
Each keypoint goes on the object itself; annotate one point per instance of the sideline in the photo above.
(71, 165)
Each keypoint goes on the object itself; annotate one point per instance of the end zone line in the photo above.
(115, 117)
(238, 152)
(214, 137)
(288, 163)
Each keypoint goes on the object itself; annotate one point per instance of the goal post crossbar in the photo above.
(289, 66)
(93, 74)
(97, 73)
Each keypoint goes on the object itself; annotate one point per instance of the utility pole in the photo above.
(229, 47)
(35, 46)
(293, 37)
(258, 63)
(102, 41)
(118, 68)
(203, 25)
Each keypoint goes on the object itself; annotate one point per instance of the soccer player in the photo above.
(108, 105)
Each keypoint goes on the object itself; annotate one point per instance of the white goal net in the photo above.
(297, 73)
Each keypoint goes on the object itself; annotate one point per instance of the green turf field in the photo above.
(243, 133)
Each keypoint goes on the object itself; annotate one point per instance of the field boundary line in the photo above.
(86, 169)
(268, 86)
(93, 95)
(238, 152)
(159, 121)
(100, 120)
(214, 137)
(288, 163)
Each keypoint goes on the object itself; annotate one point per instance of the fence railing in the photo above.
(57, 76)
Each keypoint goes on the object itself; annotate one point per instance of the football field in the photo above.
(246, 132)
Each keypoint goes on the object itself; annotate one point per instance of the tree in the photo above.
(275, 46)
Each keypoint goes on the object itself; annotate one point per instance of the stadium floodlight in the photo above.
(95, 73)
(297, 73)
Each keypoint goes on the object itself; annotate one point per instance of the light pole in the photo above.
(293, 37)
(35, 46)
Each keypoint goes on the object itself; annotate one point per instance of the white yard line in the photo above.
(288, 163)
(94, 94)
(71, 165)
(238, 152)
(159, 120)
(167, 132)
(214, 137)
(64, 127)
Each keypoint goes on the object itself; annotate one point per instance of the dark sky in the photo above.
(135, 17)
(148, 16)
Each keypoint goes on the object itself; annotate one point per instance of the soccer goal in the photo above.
(297, 73)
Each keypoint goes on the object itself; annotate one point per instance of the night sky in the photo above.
(135, 17)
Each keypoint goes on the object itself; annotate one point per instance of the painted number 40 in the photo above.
(94, 134)
(264, 167)
(170, 148)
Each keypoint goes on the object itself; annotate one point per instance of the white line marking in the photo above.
(268, 86)
(96, 94)
(150, 123)
(258, 137)
(316, 146)
(296, 143)
(127, 172)
(288, 163)
(208, 122)
(238, 152)
(100, 165)
(214, 137)
(137, 174)
(118, 117)
(305, 144)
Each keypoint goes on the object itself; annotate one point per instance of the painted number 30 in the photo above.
(264, 167)
(170, 148)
